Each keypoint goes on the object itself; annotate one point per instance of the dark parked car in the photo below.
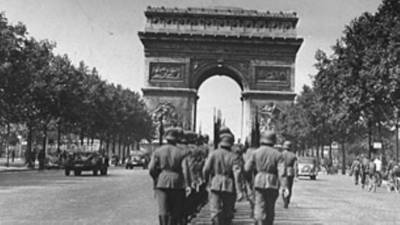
(86, 161)
(138, 158)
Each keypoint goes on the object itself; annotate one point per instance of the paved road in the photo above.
(125, 197)
(48, 198)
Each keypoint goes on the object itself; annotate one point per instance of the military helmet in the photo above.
(226, 140)
(268, 137)
(191, 137)
(287, 145)
(172, 134)
(206, 138)
(183, 136)
(224, 130)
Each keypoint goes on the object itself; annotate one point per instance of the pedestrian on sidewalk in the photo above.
(372, 176)
(270, 167)
(364, 170)
(165, 168)
(378, 172)
(12, 155)
(355, 169)
(41, 158)
(219, 169)
(290, 160)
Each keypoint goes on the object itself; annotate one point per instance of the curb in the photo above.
(13, 169)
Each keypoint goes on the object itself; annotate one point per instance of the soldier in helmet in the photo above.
(166, 170)
(219, 167)
(290, 160)
(270, 166)
(193, 165)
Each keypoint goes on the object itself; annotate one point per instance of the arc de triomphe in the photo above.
(184, 47)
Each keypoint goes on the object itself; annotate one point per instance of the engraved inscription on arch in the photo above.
(166, 71)
(273, 74)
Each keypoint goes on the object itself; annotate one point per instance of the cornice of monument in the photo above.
(221, 11)
(221, 21)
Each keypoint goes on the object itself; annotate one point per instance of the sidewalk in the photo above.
(17, 165)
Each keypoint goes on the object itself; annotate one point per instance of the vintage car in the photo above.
(307, 166)
(86, 161)
(137, 158)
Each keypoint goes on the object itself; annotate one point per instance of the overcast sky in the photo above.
(103, 33)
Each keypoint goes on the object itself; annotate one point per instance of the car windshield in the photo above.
(138, 153)
(306, 160)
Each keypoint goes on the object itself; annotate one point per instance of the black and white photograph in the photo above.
(199, 112)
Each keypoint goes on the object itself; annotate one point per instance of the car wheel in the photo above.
(126, 167)
(67, 172)
(94, 172)
(77, 172)
(103, 171)
(313, 177)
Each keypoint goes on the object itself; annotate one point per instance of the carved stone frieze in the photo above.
(265, 74)
(167, 71)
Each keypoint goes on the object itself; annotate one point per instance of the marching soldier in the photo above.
(193, 165)
(290, 160)
(204, 150)
(220, 166)
(271, 173)
(237, 173)
(166, 170)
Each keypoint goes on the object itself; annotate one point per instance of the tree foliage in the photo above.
(39, 88)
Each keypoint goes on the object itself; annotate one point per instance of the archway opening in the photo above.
(220, 93)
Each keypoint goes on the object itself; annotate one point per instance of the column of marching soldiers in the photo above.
(187, 175)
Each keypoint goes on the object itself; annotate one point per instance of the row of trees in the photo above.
(41, 90)
(355, 98)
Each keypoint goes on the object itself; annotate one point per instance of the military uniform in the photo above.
(193, 165)
(271, 173)
(166, 169)
(290, 160)
(219, 167)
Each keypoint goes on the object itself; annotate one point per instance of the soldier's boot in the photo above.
(164, 220)
(173, 221)
(216, 221)
(260, 222)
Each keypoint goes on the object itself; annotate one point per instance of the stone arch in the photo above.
(179, 56)
(212, 69)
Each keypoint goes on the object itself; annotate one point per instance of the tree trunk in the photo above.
(28, 151)
(59, 136)
(397, 141)
(44, 143)
(343, 159)
(107, 145)
(330, 151)
(119, 147)
(369, 139)
(113, 144)
(82, 136)
(8, 144)
(322, 151)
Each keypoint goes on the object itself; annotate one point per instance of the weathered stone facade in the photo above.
(184, 47)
